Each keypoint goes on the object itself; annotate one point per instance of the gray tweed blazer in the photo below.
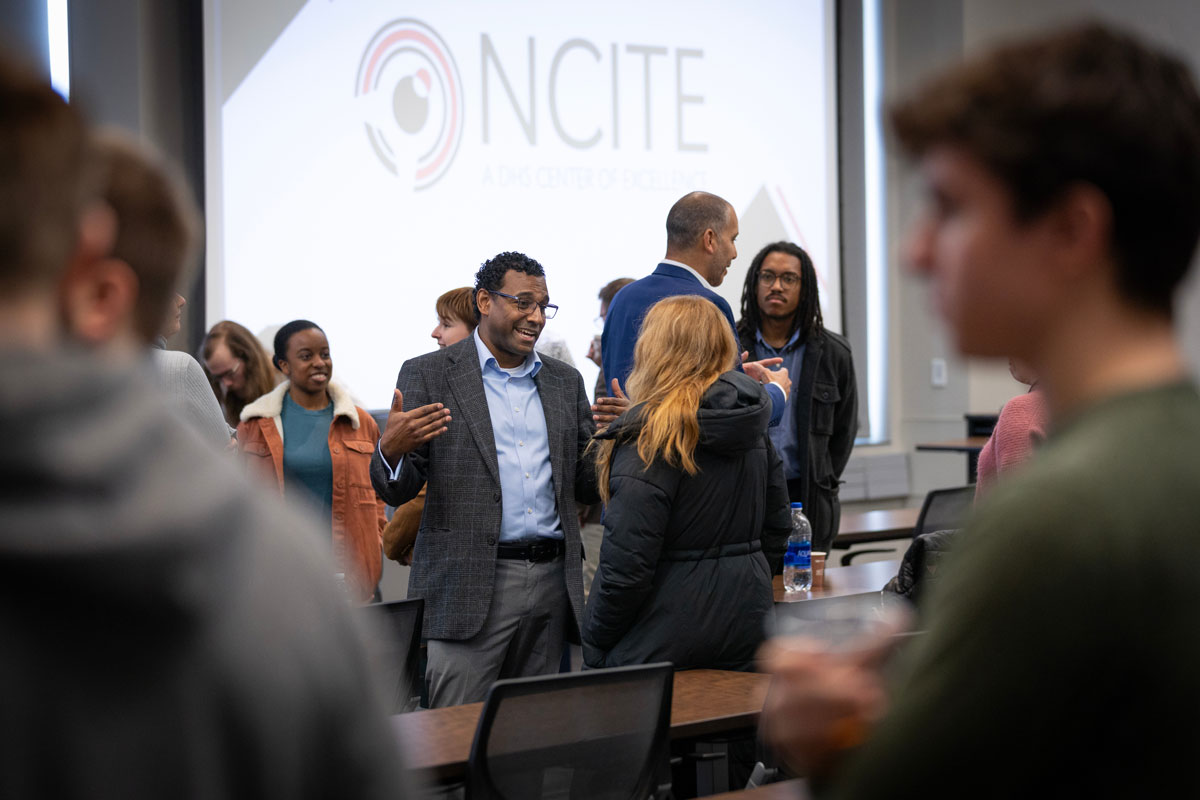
(454, 560)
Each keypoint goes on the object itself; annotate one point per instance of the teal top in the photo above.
(306, 460)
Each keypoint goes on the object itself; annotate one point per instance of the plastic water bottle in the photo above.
(797, 561)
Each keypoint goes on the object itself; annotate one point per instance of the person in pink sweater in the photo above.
(1020, 429)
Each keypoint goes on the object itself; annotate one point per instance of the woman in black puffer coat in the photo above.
(691, 540)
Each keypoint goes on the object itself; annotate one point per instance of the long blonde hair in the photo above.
(684, 346)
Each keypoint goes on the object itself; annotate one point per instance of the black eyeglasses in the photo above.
(526, 304)
(789, 279)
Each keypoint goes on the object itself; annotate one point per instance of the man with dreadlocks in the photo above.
(781, 318)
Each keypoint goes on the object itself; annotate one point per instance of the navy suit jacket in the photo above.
(629, 307)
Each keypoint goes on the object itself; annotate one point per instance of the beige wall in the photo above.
(922, 35)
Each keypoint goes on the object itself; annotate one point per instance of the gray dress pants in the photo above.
(522, 635)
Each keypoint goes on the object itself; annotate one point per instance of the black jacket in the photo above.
(685, 568)
(824, 400)
(919, 567)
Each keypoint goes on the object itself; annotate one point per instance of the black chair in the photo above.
(943, 509)
(395, 650)
(380, 416)
(593, 735)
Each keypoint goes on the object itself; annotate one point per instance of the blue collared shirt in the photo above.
(522, 448)
(784, 436)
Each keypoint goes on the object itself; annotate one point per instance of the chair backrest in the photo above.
(395, 650)
(380, 416)
(944, 509)
(581, 735)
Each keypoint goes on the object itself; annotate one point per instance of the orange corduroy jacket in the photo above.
(358, 514)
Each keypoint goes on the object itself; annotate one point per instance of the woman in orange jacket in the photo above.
(309, 436)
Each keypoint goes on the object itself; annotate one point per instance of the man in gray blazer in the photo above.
(499, 434)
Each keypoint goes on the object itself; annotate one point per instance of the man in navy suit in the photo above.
(701, 233)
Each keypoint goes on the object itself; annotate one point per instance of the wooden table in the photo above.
(784, 790)
(967, 445)
(971, 445)
(704, 701)
(876, 526)
(857, 579)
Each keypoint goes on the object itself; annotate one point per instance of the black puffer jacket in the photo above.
(685, 568)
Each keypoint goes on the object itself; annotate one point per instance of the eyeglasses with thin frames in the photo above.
(229, 373)
(789, 279)
(526, 304)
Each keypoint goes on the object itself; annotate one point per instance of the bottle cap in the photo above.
(797, 505)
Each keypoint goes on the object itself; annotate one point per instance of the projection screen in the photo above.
(363, 157)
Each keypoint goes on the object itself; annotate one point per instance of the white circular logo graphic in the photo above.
(409, 70)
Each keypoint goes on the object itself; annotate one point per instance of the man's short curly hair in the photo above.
(491, 273)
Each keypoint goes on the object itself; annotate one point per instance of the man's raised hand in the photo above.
(763, 371)
(606, 409)
(407, 430)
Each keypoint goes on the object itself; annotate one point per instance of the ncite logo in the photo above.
(409, 61)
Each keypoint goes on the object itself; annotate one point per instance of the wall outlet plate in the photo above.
(937, 373)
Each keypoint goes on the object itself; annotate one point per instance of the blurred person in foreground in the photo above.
(697, 514)
(307, 438)
(166, 632)
(238, 367)
(1059, 657)
(157, 224)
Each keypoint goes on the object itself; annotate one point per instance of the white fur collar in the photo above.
(270, 405)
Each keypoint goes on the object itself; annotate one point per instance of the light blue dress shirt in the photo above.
(784, 435)
(522, 448)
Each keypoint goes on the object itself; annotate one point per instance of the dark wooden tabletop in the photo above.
(704, 701)
(876, 526)
(784, 790)
(971, 444)
(856, 579)
(708, 701)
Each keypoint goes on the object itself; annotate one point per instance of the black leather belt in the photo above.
(536, 550)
